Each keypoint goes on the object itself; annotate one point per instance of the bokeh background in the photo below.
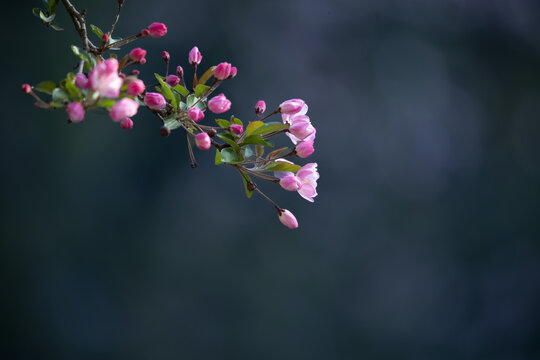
(423, 242)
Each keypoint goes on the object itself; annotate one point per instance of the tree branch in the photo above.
(80, 26)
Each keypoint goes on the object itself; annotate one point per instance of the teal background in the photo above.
(423, 242)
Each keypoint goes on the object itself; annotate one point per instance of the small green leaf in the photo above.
(281, 166)
(171, 123)
(59, 95)
(106, 103)
(51, 6)
(56, 105)
(247, 152)
(259, 150)
(228, 155)
(245, 179)
(37, 12)
(57, 26)
(257, 139)
(70, 87)
(276, 153)
(200, 90)
(223, 123)
(166, 91)
(204, 78)
(236, 121)
(46, 87)
(271, 127)
(96, 30)
(218, 157)
(254, 125)
(46, 19)
(182, 90)
(190, 100)
(229, 140)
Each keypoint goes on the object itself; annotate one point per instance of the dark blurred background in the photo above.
(423, 242)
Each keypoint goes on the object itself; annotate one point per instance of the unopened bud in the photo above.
(237, 129)
(126, 124)
(105, 38)
(144, 32)
(172, 80)
(180, 71)
(195, 56)
(202, 140)
(164, 131)
(260, 107)
(157, 29)
(234, 71)
(26, 88)
(166, 57)
(211, 132)
(135, 72)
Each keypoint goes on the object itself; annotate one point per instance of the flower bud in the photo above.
(287, 218)
(195, 56)
(222, 71)
(165, 56)
(155, 101)
(179, 71)
(123, 108)
(237, 129)
(234, 71)
(81, 81)
(172, 80)
(164, 131)
(219, 104)
(157, 29)
(135, 72)
(75, 112)
(120, 2)
(195, 114)
(145, 32)
(290, 183)
(126, 123)
(135, 87)
(304, 149)
(301, 127)
(203, 141)
(211, 132)
(137, 54)
(291, 106)
(260, 107)
(105, 38)
(26, 88)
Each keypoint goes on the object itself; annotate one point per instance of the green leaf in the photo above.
(218, 157)
(51, 5)
(276, 153)
(200, 90)
(56, 105)
(57, 26)
(259, 150)
(106, 103)
(166, 91)
(204, 78)
(236, 121)
(271, 127)
(228, 155)
(229, 140)
(223, 123)
(70, 87)
(46, 87)
(47, 19)
(182, 90)
(59, 95)
(37, 12)
(281, 166)
(254, 125)
(171, 123)
(96, 30)
(256, 139)
(248, 191)
(190, 100)
(247, 152)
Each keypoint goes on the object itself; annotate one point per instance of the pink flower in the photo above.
(306, 177)
(195, 56)
(124, 108)
(137, 55)
(195, 114)
(304, 149)
(157, 29)
(219, 104)
(135, 87)
(104, 79)
(26, 88)
(75, 112)
(179, 71)
(301, 127)
(155, 101)
(126, 123)
(260, 107)
(172, 80)
(288, 118)
(287, 218)
(81, 81)
(290, 183)
(234, 71)
(203, 141)
(237, 129)
(291, 106)
(222, 71)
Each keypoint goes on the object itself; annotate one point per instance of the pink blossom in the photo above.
(304, 149)
(124, 108)
(219, 104)
(104, 79)
(179, 71)
(296, 140)
(290, 182)
(81, 81)
(237, 129)
(26, 88)
(126, 123)
(157, 29)
(222, 71)
(135, 87)
(234, 71)
(137, 54)
(203, 141)
(289, 118)
(75, 112)
(172, 80)
(195, 56)
(155, 101)
(291, 106)
(287, 218)
(195, 114)
(307, 178)
(301, 127)
(260, 107)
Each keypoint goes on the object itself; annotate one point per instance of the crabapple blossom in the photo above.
(260, 107)
(81, 81)
(165, 56)
(219, 104)
(75, 112)
(304, 149)
(195, 56)
(307, 177)
(237, 129)
(26, 88)
(287, 218)
(203, 141)
(290, 182)
(104, 79)
(222, 71)
(180, 71)
(135, 87)
(195, 114)
(155, 101)
(124, 108)
(301, 127)
(172, 80)
(137, 54)
(234, 71)
(126, 123)
(157, 29)
(291, 106)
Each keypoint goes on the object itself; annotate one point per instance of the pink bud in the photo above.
(157, 29)
(104, 79)
(105, 38)
(260, 107)
(195, 56)
(237, 129)
(301, 127)
(143, 61)
(145, 32)
(290, 183)
(195, 114)
(291, 106)
(126, 123)
(135, 87)
(155, 101)
(123, 108)
(135, 72)
(165, 56)
(234, 71)
(203, 141)
(75, 112)
(26, 88)
(219, 104)
(179, 71)
(81, 81)
(172, 80)
(222, 71)
(287, 218)
(304, 149)
(137, 54)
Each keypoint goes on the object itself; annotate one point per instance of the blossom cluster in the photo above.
(106, 82)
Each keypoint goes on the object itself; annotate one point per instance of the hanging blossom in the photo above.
(183, 103)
